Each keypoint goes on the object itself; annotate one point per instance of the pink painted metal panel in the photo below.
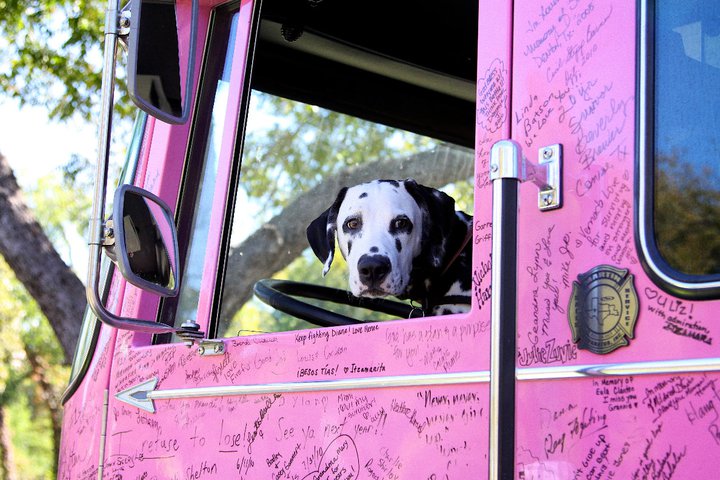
(82, 426)
(412, 432)
(574, 83)
(494, 67)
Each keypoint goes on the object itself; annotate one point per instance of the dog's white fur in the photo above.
(399, 238)
(378, 204)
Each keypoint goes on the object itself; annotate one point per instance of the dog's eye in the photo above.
(401, 224)
(352, 224)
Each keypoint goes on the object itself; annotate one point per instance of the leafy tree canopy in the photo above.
(51, 55)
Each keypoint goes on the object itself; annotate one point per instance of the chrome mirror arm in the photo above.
(97, 231)
(97, 227)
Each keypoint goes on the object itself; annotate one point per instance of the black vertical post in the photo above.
(505, 166)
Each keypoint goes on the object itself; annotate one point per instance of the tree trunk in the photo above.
(277, 243)
(48, 397)
(58, 291)
(61, 295)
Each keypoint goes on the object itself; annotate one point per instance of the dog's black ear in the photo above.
(321, 232)
(439, 220)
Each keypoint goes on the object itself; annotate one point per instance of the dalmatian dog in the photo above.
(399, 238)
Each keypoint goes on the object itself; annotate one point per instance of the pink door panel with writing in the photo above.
(574, 83)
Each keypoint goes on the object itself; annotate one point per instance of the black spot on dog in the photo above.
(394, 183)
(363, 195)
(349, 246)
(374, 250)
(398, 245)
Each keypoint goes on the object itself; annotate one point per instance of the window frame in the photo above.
(253, 79)
(683, 285)
(210, 317)
(212, 67)
(234, 177)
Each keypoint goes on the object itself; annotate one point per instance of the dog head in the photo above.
(390, 232)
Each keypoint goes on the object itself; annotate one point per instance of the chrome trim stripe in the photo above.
(505, 162)
(482, 376)
(324, 385)
(643, 151)
(620, 369)
(143, 394)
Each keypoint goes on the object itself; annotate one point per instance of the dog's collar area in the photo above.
(455, 300)
(454, 258)
(429, 302)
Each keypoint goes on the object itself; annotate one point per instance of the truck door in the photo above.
(394, 399)
(616, 354)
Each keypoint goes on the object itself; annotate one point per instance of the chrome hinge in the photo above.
(209, 348)
(508, 161)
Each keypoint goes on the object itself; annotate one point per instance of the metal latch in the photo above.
(547, 175)
(208, 348)
(508, 161)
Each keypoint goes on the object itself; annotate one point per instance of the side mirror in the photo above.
(144, 244)
(145, 248)
(161, 52)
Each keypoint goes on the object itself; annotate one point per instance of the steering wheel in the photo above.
(280, 294)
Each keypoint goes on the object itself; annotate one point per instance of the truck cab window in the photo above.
(685, 141)
(294, 155)
(330, 106)
(333, 106)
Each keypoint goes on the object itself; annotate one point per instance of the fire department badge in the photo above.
(603, 309)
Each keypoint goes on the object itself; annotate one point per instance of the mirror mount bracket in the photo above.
(124, 20)
(190, 332)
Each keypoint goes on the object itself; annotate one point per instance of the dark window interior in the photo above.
(439, 42)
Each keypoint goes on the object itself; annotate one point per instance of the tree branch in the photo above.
(58, 291)
(277, 243)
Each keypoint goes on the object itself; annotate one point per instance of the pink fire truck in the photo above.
(582, 135)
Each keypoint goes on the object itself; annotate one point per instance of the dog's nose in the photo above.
(373, 269)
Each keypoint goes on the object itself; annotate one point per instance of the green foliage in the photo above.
(51, 55)
(291, 147)
(61, 206)
(24, 403)
(32, 444)
(31, 389)
(687, 216)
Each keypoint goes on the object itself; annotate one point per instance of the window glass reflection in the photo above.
(686, 136)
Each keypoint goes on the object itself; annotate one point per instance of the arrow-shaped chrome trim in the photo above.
(143, 394)
(139, 395)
